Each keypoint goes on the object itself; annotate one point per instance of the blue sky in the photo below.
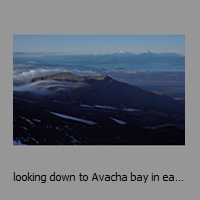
(98, 44)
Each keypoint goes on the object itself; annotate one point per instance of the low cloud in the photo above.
(48, 86)
(26, 75)
(22, 74)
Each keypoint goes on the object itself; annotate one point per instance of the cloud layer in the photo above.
(23, 73)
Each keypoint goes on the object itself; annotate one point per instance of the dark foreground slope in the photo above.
(65, 109)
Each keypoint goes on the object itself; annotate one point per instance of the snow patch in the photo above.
(17, 143)
(105, 107)
(74, 118)
(74, 140)
(84, 105)
(24, 128)
(35, 140)
(131, 109)
(109, 107)
(99, 106)
(29, 121)
(36, 120)
(118, 121)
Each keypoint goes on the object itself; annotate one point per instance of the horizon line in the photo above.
(119, 52)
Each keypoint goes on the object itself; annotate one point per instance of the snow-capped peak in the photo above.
(121, 52)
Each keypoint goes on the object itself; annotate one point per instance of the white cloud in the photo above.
(27, 75)
(47, 86)
(24, 73)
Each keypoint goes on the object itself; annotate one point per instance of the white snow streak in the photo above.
(118, 121)
(109, 107)
(74, 118)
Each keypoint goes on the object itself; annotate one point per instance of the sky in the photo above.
(98, 44)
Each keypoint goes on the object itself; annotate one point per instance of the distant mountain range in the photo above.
(116, 53)
(147, 53)
(130, 58)
(117, 58)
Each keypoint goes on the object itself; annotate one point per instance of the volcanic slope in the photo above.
(103, 90)
(68, 109)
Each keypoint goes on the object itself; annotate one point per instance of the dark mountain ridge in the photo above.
(67, 76)
(103, 90)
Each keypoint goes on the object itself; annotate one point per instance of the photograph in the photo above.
(99, 90)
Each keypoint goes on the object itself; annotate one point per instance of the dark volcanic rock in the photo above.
(66, 109)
